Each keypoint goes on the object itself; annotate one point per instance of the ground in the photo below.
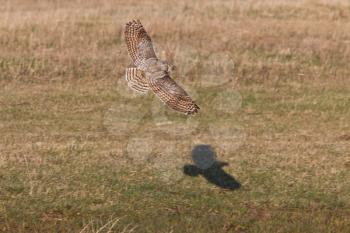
(79, 152)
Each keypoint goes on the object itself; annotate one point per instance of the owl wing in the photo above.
(136, 79)
(138, 43)
(168, 91)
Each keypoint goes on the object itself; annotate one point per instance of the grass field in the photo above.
(79, 152)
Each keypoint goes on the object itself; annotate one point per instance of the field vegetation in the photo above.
(79, 152)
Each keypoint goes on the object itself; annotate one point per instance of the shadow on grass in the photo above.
(205, 164)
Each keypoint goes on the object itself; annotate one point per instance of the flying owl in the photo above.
(150, 73)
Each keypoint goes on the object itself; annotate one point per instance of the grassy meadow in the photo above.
(79, 152)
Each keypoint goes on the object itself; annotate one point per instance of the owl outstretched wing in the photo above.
(138, 43)
(169, 92)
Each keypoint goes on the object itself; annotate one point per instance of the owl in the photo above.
(151, 73)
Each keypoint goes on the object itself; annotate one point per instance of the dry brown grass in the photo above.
(79, 152)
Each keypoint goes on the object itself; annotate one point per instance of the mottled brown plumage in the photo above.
(139, 44)
(152, 73)
(136, 80)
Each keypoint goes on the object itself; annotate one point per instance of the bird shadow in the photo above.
(206, 165)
